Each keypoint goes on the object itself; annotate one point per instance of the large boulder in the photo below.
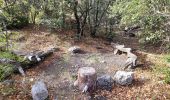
(105, 82)
(75, 49)
(123, 78)
(39, 91)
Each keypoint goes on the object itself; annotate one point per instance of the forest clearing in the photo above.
(84, 50)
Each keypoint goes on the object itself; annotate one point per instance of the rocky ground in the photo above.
(59, 70)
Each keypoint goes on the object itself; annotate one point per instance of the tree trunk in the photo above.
(86, 80)
(93, 32)
(77, 18)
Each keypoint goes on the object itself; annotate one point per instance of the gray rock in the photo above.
(39, 91)
(105, 82)
(75, 49)
(123, 78)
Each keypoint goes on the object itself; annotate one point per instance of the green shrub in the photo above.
(5, 71)
(163, 71)
(8, 55)
(52, 23)
(17, 22)
(110, 36)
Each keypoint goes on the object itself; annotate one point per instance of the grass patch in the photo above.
(166, 72)
(163, 69)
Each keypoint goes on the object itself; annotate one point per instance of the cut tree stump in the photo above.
(86, 80)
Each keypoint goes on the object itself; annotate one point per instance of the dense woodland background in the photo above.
(145, 23)
(91, 17)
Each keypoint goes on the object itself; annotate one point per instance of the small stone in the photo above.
(31, 79)
(124, 78)
(39, 91)
(105, 82)
(75, 49)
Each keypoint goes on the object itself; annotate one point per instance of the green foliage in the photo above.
(15, 16)
(167, 77)
(5, 70)
(52, 23)
(9, 55)
(144, 13)
(110, 35)
(18, 22)
(166, 72)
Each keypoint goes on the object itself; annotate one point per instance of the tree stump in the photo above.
(86, 80)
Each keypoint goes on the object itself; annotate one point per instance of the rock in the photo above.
(123, 78)
(39, 91)
(75, 49)
(105, 82)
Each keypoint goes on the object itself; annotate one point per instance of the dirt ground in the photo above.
(59, 70)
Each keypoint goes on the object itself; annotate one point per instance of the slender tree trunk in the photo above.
(6, 36)
(106, 26)
(77, 18)
(63, 15)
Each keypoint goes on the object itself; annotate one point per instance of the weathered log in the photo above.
(35, 56)
(131, 62)
(132, 58)
(86, 80)
(120, 48)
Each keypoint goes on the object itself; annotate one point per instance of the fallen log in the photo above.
(132, 58)
(26, 60)
(131, 62)
(86, 80)
(120, 48)
(35, 56)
